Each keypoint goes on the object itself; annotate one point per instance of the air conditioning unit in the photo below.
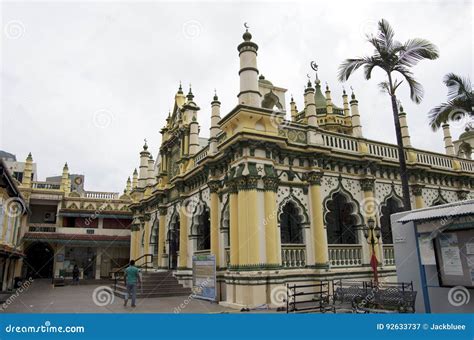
(49, 217)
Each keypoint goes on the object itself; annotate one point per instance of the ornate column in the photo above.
(369, 207)
(320, 242)
(417, 190)
(234, 223)
(249, 240)
(146, 240)
(161, 236)
(183, 239)
(272, 239)
(214, 187)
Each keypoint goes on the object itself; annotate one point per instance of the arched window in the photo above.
(154, 238)
(290, 225)
(391, 206)
(204, 231)
(173, 242)
(341, 220)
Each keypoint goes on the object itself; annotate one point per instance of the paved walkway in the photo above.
(41, 297)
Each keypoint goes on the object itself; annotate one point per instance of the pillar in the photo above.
(135, 179)
(98, 263)
(345, 103)
(310, 106)
(65, 187)
(328, 100)
(147, 230)
(319, 240)
(214, 187)
(293, 110)
(215, 118)
(417, 191)
(355, 117)
(143, 172)
(234, 224)
(402, 117)
(183, 239)
(161, 237)
(27, 172)
(448, 141)
(272, 235)
(249, 92)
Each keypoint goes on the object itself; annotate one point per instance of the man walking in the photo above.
(132, 278)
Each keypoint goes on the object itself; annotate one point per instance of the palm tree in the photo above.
(459, 105)
(391, 56)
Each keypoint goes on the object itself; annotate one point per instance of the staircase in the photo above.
(155, 284)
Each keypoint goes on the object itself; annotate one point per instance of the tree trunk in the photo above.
(401, 155)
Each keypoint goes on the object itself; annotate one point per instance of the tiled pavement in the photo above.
(41, 297)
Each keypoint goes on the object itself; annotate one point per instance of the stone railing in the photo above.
(201, 154)
(388, 255)
(434, 160)
(382, 150)
(101, 195)
(345, 255)
(45, 185)
(467, 165)
(340, 142)
(293, 255)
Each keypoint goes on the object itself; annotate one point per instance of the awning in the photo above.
(461, 208)
(6, 251)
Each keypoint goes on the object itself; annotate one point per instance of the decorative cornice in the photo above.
(270, 183)
(462, 194)
(367, 184)
(417, 189)
(214, 186)
(163, 211)
(315, 177)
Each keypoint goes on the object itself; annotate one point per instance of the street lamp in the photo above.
(372, 235)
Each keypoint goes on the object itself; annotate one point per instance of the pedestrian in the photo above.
(132, 278)
(75, 275)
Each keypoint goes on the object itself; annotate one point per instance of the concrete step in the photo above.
(152, 295)
(156, 289)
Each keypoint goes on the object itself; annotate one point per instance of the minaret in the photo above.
(356, 126)
(26, 180)
(143, 174)
(191, 112)
(215, 118)
(135, 179)
(128, 187)
(249, 93)
(151, 172)
(402, 116)
(345, 102)
(293, 110)
(328, 100)
(448, 141)
(310, 106)
(65, 186)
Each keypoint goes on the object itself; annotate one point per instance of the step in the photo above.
(157, 288)
(153, 295)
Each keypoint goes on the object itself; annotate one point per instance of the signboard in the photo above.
(427, 253)
(204, 277)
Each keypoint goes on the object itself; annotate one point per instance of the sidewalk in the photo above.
(41, 297)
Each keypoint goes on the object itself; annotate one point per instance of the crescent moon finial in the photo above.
(246, 26)
(314, 66)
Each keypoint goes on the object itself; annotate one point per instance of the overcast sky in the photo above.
(86, 82)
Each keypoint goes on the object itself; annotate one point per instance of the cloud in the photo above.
(76, 59)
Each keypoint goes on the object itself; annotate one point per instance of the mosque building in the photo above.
(279, 201)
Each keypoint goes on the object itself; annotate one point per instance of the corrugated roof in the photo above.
(440, 211)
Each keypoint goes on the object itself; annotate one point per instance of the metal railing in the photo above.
(120, 272)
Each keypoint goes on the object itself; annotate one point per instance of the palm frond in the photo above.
(415, 50)
(416, 89)
(384, 87)
(385, 34)
(458, 86)
(349, 66)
